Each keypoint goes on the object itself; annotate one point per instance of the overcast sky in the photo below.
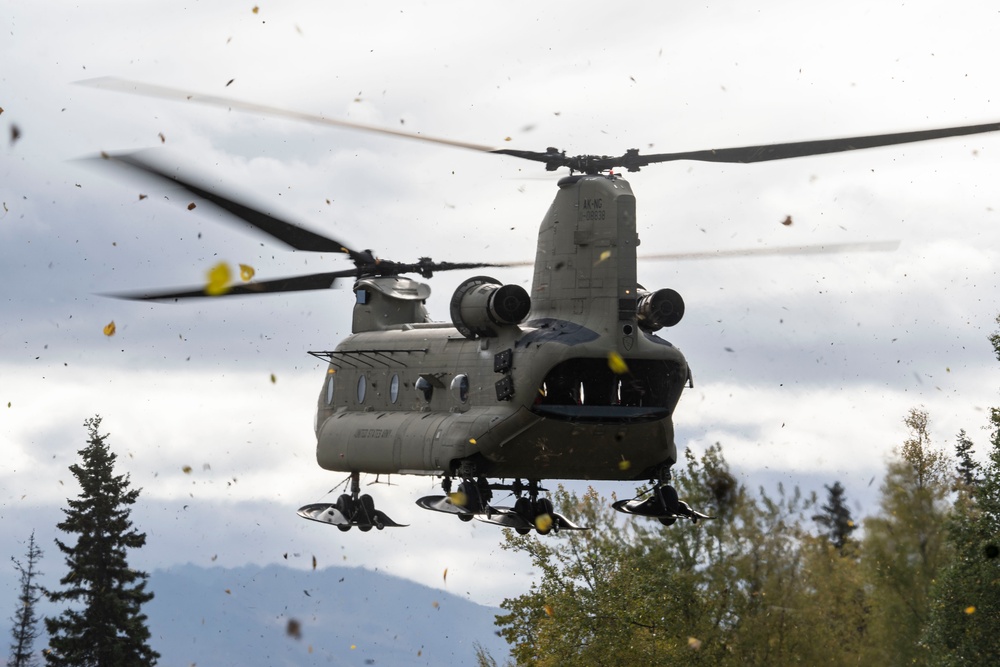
(804, 367)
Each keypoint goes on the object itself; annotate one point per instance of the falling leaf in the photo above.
(15, 134)
(294, 629)
(187, 470)
(314, 562)
(604, 256)
(255, 9)
(616, 363)
(472, 441)
(445, 577)
(246, 272)
(230, 82)
(192, 206)
(548, 611)
(436, 604)
(218, 279)
(694, 643)
(624, 465)
(458, 498)
(543, 522)
(109, 328)
(274, 378)
(970, 609)
(507, 139)
(163, 139)
(787, 221)
(228, 592)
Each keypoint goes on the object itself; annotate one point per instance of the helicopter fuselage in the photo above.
(583, 389)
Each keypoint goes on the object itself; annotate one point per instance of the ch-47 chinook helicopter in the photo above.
(569, 381)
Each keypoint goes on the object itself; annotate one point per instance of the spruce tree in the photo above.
(25, 630)
(836, 517)
(968, 468)
(105, 627)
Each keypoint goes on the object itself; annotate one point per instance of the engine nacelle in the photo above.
(662, 308)
(482, 304)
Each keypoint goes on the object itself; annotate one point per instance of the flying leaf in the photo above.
(294, 629)
(314, 562)
(694, 643)
(787, 222)
(187, 470)
(192, 206)
(604, 256)
(218, 279)
(624, 465)
(543, 522)
(458, 498)
(255, 9)
(616, 363)
(445, 575)
(274, 378)
(109, 328)
(163, 139)
(970, 609)
(246, 272)
(549, 611)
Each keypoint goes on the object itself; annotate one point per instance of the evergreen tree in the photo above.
(968, 468)
(965, 615)
(904, 546)
(836, 517)
(25, 628)
(107, 627)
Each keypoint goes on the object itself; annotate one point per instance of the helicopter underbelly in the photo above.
(559, 449)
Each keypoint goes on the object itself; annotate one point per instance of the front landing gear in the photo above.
(662, 503)
(472, 502)
(349, 510)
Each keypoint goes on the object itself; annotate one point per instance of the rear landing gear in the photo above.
(349, 510)
(660, 503)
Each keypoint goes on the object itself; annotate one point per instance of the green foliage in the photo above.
(106, 627)
(965, 616)
(25, 630)
(904, 543)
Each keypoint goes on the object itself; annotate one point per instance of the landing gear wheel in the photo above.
(523, 508)
(668, 520)
(668, 498)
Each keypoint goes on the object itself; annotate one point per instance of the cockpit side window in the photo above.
(591, 382)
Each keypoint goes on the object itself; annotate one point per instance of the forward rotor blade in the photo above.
(163, 92)
(821, 249)
(297, 237)
(765, 153)
(313, 281)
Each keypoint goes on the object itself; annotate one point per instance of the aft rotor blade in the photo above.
(819, 249)
(767, 152)
(164, 92)
(313, 281)
(286, 232)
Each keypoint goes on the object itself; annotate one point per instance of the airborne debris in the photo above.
(109, 329)
(15, 134)
(294, 629)
(787, 221)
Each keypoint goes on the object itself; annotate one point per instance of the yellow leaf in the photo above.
(255, 10)
(548, 611)
(604, 256)
(458, 498)
(445, 575)
(694, 643)
(246, 272)
(274, 378)
(109, 328)
(472, 441)
(436, 604)
(616, 363)
(970, 609)
(187, 470)
(218, 279)
(624, 465)
(543, 522)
